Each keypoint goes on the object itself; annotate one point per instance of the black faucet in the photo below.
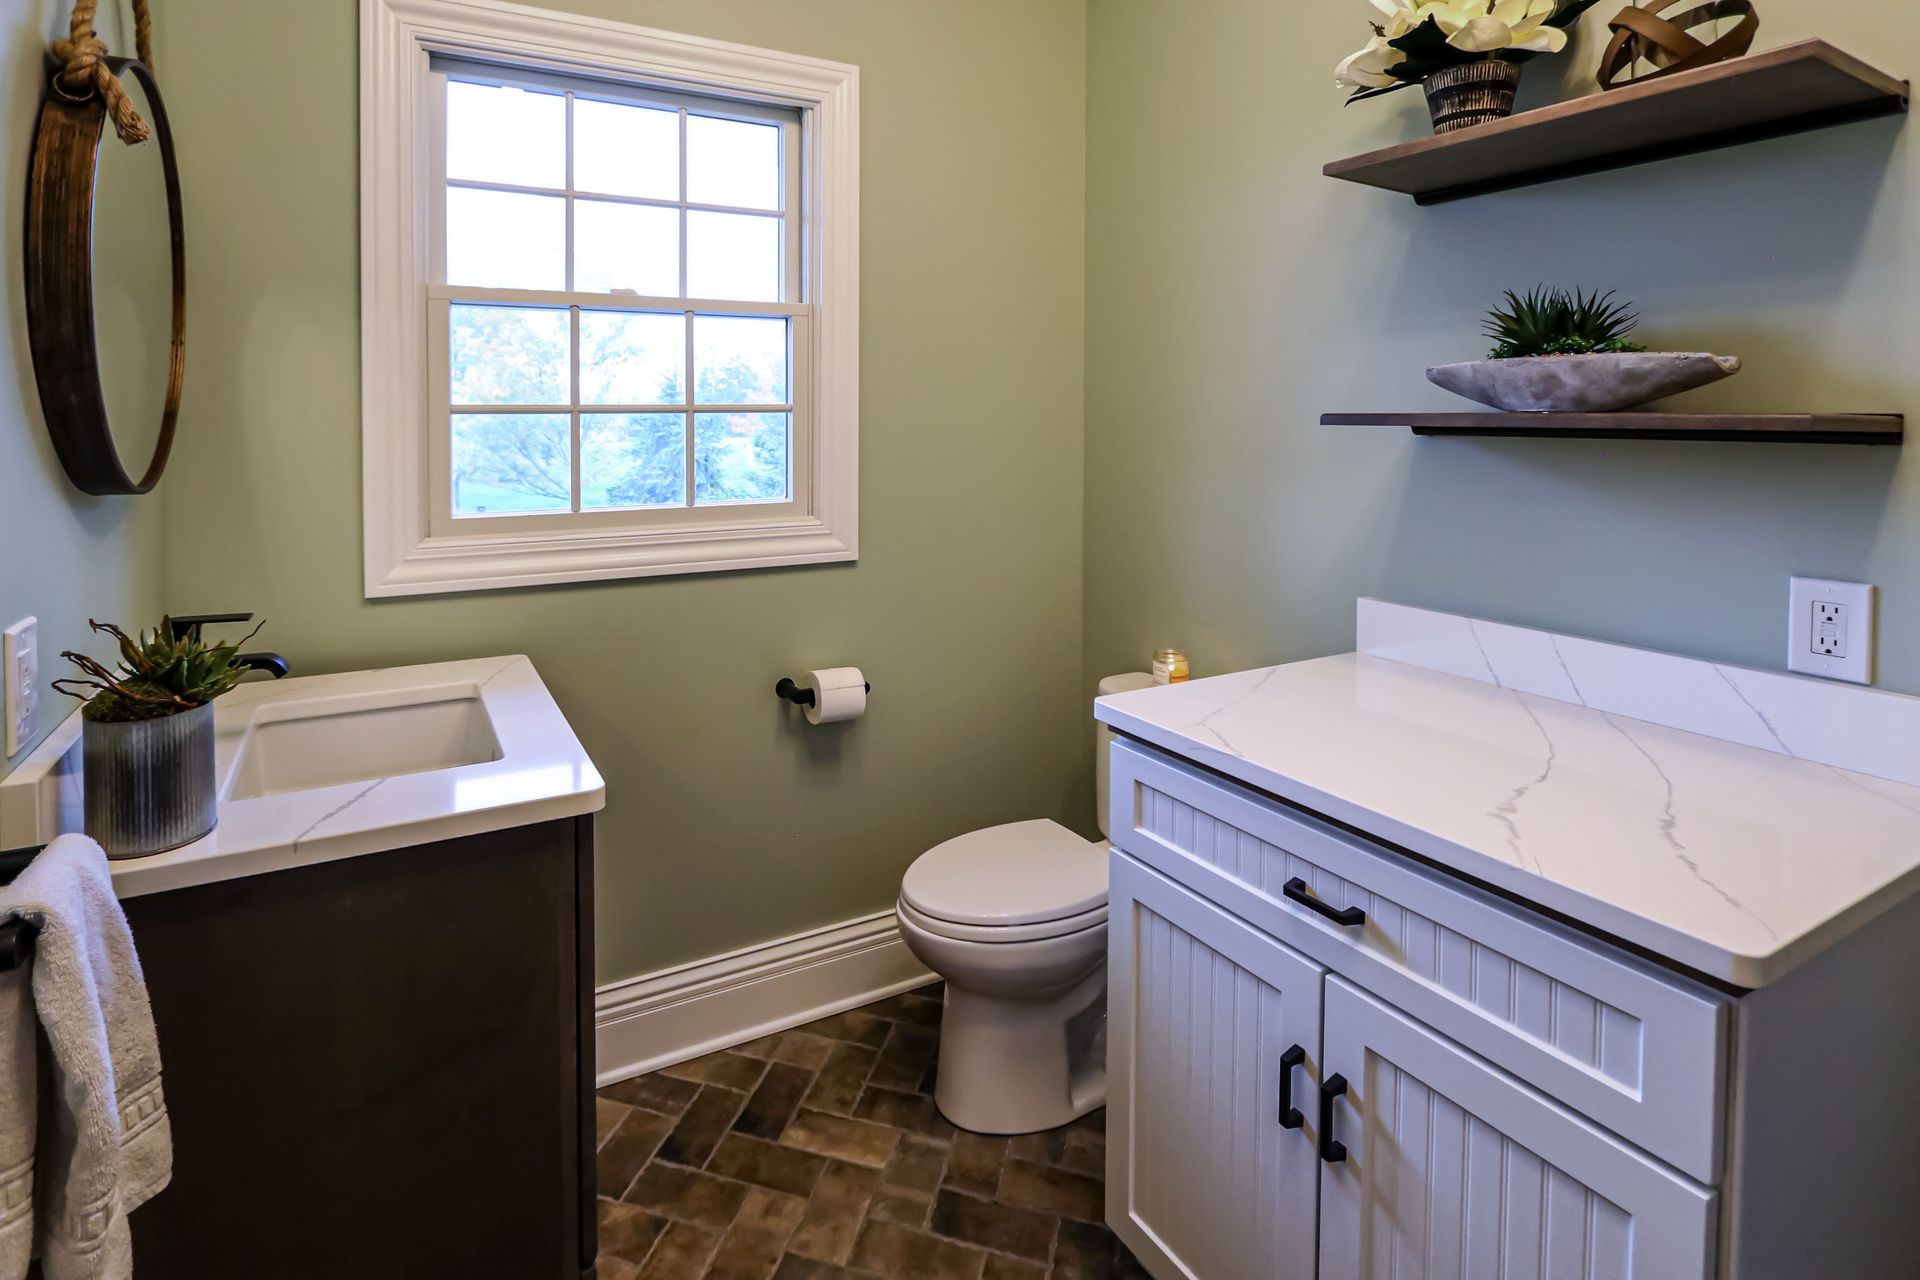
(189, 625)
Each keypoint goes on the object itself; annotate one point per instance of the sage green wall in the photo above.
(1235, 295)
(1230, 296)
(64, 557)
(726, 825)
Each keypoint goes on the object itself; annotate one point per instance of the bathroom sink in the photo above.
(316, 768)
(310, 743)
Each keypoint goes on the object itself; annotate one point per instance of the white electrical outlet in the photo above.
(21, 701)
(1830, 629)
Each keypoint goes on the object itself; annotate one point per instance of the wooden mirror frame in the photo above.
(59, 278)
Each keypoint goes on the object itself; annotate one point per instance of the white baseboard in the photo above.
(658, 1019)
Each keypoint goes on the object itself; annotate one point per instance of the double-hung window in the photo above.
(623, 342)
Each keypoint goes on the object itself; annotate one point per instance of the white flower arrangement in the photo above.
(1416, 38)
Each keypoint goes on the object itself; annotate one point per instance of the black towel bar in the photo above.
(16, 944)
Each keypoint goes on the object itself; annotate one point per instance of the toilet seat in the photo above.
(1023, 876)
(1002, 934)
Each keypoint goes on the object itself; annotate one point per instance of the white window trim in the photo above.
(397, 41)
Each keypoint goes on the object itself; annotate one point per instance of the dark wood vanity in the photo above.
(379, 1067)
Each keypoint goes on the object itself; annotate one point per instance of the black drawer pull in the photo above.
(1290, 1117)
(1296, 889)
(1332, 1150)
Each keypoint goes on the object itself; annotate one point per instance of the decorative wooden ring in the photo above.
(59, 286)
(1641, 34)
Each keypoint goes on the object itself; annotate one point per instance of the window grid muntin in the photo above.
(686, 232)
(786, 214)
(791, 283)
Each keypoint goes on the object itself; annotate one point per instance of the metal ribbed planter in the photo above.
(149, 786)
(1472, 93)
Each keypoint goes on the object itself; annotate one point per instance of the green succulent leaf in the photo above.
(1553, 322)
(158, 676)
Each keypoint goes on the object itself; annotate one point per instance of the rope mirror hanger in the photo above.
(85, 69)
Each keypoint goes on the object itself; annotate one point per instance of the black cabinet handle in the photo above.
(1296, 889)
(1290, 1117)
(1332, 1150)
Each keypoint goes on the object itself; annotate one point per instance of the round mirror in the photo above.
(106, 287)
(132, 286)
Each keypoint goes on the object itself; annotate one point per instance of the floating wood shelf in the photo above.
(1766, 428)
(1797, 87)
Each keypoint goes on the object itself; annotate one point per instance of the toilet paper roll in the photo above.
(839, 693)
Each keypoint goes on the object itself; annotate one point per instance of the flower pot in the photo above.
(1472, 93)
(1582, 384)
(149, 785)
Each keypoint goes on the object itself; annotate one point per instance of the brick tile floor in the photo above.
(818, 1153)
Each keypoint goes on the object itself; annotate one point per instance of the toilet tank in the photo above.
(1103, 736)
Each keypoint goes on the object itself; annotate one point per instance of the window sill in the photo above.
(436, 566)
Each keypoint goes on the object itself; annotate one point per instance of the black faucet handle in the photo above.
(184, 625)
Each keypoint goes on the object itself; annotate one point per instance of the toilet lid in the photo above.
(1022, 873)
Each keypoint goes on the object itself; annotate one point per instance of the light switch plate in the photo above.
(20, 697)
(1830, 631)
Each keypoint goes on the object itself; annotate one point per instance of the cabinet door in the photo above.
(374, 1066)
(1205, 1179)
(1453, 1170)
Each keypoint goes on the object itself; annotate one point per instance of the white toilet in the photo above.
(1015, 919)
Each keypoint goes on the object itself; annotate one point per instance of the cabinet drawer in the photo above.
(1641, 1052)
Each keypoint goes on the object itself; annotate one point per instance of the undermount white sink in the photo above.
(328, 742)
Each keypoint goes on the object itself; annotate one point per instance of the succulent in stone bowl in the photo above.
(1561, 352)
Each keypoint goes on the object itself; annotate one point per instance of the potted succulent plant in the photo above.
(147, 736)
(1468, 53)
(1560, 352)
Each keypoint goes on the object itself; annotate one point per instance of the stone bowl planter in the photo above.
(1582, 384)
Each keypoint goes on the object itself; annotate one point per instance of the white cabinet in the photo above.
(1213, 1038)
(1258, 1104)
(1519, 1095)
(1640, 1052)
(1324, 1063)
(1453, 1170)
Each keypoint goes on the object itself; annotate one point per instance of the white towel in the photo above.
(19, 1094)
(105, 1146)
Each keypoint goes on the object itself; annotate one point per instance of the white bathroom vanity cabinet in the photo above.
(1438, 960)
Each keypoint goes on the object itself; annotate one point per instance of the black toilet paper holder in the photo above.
(799, 697)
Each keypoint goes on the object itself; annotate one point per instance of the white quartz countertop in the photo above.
(539, 773)
(1737, 861)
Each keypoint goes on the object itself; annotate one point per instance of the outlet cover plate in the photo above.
(1830, 631)
(20, 696)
